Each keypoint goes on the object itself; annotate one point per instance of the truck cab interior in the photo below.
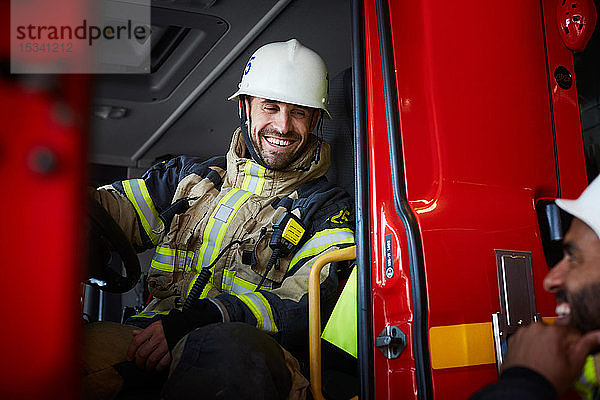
(199, 50)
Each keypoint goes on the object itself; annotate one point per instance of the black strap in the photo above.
(246, 136)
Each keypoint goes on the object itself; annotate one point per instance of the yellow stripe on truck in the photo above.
(462, 345)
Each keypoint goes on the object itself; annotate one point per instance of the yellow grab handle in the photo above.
(314, 313)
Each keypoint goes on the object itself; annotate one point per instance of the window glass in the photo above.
(587, 73)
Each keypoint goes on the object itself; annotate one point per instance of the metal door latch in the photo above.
(391, 341)
(517, 298)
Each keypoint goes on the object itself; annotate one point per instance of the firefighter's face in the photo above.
(280, 131)
(576, 279)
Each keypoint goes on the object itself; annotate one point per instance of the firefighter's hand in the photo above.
(556, 352)
(149, 348)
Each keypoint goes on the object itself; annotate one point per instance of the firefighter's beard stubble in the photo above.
(278, 160)
(585, 307)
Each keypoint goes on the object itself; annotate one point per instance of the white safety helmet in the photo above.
(288, 72)
(586, 207)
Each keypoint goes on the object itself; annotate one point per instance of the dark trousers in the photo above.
(219, 361)
(228, 361)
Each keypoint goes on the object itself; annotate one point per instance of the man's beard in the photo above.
(278, 161)
(585, 307)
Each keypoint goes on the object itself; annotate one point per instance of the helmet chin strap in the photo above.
(246, 135)
(317, 155)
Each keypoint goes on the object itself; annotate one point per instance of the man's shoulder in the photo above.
(193, 164)
(319, 185)
(185, 165)
(172, 172)
(328, 201)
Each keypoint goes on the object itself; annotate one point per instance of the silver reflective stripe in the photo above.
(183, 259)
(227, 281)
(147, 210)
(238, 289)
(189, 257)
(256, 305)
(149, 314)
(322, 241)
(256, 175)
(162, 262)
(164, 259)
(234, 284)
(217, 227)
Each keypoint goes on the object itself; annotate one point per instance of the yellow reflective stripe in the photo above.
(214, 233)
(211, 223)
(237, 285)
(216, 227)
(187, 257)
(227, 280)
(240, 286)
(462, 345)
(261, 309)
(322, 241)
(587, 383)
(206, 289)
(254, 179)
(166, 251)
(261, 179)
(268, 307)
(161, 266)
(224, 227)
(149, 314)
(255, 311)
(589, 371)
(161, 260)
(247, 176)
(137, 193)
(166, 258)
(584, 390)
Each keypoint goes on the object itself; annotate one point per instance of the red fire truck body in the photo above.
(478, 111)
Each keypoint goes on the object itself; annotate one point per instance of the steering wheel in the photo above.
(106, 234)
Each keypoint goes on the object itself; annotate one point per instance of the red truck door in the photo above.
(468, 131)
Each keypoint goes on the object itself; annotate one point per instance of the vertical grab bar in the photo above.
(314, 314)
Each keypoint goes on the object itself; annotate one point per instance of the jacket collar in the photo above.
(247, 174)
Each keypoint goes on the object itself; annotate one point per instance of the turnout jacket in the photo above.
(518, 383)
(524, 383)
(221, 212)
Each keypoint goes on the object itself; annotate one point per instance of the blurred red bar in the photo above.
(43, 170)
